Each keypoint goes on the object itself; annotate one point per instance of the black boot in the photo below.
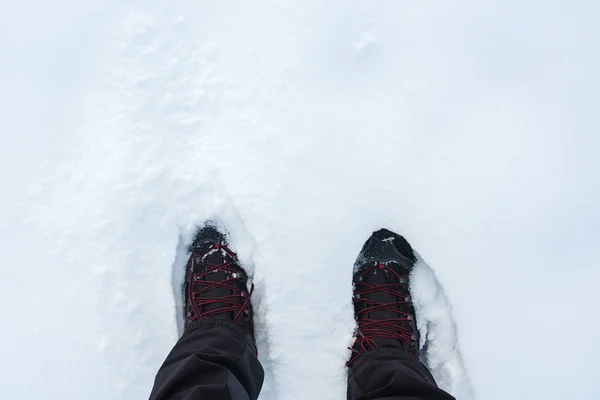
(216, 357)
(216, 286)
(385, 355)
(382, 302)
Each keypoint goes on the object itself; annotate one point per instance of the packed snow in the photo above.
(469, 127)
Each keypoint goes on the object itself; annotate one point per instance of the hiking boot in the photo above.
(216, 286)
(383, 306)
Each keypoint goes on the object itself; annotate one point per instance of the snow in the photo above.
(439, 342)
(469, 127)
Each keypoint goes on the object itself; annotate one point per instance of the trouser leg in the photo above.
(383, 374)
(212, 360)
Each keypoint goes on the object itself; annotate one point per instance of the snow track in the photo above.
(440, 349)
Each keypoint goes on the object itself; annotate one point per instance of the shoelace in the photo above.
(232, 302)
(391, 328)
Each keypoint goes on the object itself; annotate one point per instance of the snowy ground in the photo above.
(470, 127)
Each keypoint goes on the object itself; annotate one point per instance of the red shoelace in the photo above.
(238, 302)
(392, 328)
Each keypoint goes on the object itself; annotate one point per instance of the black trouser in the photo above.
(215, 360)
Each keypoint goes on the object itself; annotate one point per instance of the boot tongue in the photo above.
(381, 277)
(216, 257)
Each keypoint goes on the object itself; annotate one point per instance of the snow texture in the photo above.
(439, 341)
(468, 127)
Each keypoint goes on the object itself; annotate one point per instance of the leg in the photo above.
(384, 374)
(385, 356)
(213, 361)
(216, 356)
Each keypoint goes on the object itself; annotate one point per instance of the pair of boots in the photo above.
(216, 358)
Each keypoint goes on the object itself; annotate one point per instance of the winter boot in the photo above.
(383, 306)
(216, 286)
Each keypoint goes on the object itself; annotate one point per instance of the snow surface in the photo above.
(470, 127)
